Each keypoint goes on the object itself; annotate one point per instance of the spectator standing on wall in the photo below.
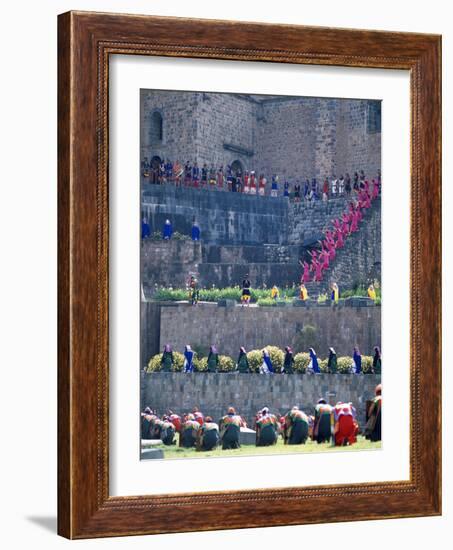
(347, 185)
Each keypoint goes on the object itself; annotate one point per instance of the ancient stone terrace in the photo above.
(263, 236)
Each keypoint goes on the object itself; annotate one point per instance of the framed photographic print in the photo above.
(249, 267)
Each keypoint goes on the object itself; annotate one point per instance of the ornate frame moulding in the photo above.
(85, 42)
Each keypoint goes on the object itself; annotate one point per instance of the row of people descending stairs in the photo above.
(335, 237)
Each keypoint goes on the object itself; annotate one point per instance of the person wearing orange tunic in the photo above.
(345, 426)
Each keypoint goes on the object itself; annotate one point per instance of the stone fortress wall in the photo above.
(213, 393)
(231, 327)
(293, 137)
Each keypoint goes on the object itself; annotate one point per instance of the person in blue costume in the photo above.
(146, 229)
(286, 189)
(195, 231)
(313, 365)
(357, 358)
(188, 359)
(266, 367)
(168, 170)
(167, 231)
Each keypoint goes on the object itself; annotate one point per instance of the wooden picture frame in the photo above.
(85, 42)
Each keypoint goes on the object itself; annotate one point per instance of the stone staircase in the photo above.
(358, 262)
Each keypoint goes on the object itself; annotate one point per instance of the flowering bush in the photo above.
(226, 364)
(344, 365)
(301, 361)
(367, 364)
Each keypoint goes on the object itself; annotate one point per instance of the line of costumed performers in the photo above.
(167, 361)
(335, 424)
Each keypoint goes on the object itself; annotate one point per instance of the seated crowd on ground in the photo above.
(333, 424)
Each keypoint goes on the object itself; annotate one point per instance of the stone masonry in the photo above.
(229, 328)
(293, 137)
(213, 393)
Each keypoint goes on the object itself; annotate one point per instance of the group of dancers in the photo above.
(335, 237)
(267, 366)
(335, 424)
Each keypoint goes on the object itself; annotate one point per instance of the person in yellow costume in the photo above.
(303, 292)
(372, 292)
(335, 293)
(275, 293)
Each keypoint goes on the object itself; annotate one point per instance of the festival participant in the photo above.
(194, 291)
(317, 268)
(246, 294)
(242, 364)
(167, 431)
(314, 188)
(146, 229)
(322, 422)
(169, 170)
(167, 360)
(204, 175)
(220, 178)
(296, 427)
(356, 182)
(145, 168)
(262, 185)
(332, 362)
(212, 176)
(195, 231)
(362, 179)
(313, 365)
(306, 189)
(341, 185)
(147, 421)
(305, 278)
(230, 429)
(288, 363)
(345, 427)
(356, 360)
(335, 293)
(161, 173)
(187, 174)
(286, 189)
(375, 190)
(266, 366)
(239, 183)
(372, 292)
(252, 183)
(377, 361)
(246, 182)
(213, 360)
(325, 190)
(167, 231)
(297, 192)
(373, 425)
(188, 365)
(267, 427)
(208, 435)
(198, 415)
(178, 171)
(189, 431)
(347, 185)
(195, 175)
(274, 186)
(175, 419)
(303, 293)
(275, 293)
(334, 186)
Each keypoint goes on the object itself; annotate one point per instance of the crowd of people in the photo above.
(167, 361)
(336, 424)
(250, 182)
